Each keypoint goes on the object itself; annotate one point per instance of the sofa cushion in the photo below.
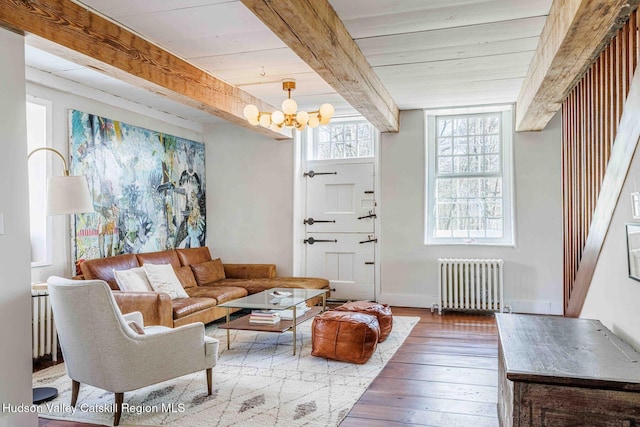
(186, 277)
(185, 306)
(208, 272)
(220, 293)
(300, 282)
(160, 257)
(191, 256)
(102, 268)
(163, 279)
(259, 285)
(250, 271)
(133, 280)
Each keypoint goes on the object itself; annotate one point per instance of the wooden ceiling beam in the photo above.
(575, 33)
(77, 34)
(312, 29)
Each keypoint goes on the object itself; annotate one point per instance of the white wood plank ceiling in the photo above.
(428, 53)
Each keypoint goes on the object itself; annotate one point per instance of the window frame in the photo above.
(43, 162)
(506, 163)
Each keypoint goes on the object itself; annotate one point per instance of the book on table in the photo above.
(301, 308)
(264, 317)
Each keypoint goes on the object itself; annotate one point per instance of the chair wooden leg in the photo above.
(209, 381)
(116, 417)
(75, 388)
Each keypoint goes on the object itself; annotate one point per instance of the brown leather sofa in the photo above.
(195, 272)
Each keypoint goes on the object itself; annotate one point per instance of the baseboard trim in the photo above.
(517, 306)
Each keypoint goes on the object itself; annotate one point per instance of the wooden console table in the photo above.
(556, 371)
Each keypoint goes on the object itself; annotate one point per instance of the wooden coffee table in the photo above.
(266, 300)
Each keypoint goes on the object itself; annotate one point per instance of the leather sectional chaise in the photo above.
(207, 282)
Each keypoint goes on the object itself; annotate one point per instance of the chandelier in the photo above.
(289, 117)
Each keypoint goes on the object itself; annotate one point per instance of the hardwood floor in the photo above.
(445, 374)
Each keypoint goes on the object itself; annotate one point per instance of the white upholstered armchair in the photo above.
(101, 348)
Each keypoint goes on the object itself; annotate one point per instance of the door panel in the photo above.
(341, 199)
(343, 263)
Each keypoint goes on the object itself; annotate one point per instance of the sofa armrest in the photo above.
(156, 307)
(250, 271)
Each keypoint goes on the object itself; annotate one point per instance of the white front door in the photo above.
(339, 228)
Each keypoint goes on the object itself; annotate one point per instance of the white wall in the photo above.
(533, 269)
(15, 295)
(250, 197)
(62, 102)
(613, 297)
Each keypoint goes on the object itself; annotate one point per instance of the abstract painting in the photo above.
(148, 188)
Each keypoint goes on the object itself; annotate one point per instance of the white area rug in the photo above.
(256, 383)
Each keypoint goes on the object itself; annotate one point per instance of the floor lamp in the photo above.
(66, 194)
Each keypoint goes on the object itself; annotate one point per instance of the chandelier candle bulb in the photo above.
(327, 110)
(277, 117)
(251, 112)
(302, 117)
(289, 106)
(265, 120)
(314, 121)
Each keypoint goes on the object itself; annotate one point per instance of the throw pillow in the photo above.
(164, 279)
(208, 271)
(136, 327)
(132, 280)
(185, 275)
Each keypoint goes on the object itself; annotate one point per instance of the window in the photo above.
(469, 177)
(38, 135)
(342, 139)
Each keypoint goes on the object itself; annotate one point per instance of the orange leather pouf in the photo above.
(381, 311)
(345, 336)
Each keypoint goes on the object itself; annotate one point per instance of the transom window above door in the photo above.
(342, 139)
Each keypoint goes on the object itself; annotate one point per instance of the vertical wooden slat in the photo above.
(590, 118)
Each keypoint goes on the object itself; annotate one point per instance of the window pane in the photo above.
(365, 148)
(444, 210)
(336, 133)
(475, 164)
(492, 163)
(337, 151)
(492, 144)
(350, 150)
(445, 165)
(460, 126)
(444, 146)
(460, 146)
(444, 188)
(444, 127)
(476, 145)
(323, 134)
(350, 132)
(364, 131)
(492, 124)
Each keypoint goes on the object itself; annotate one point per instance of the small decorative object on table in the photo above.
(280, 294)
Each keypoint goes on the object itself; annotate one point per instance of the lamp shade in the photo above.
(68, 195)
